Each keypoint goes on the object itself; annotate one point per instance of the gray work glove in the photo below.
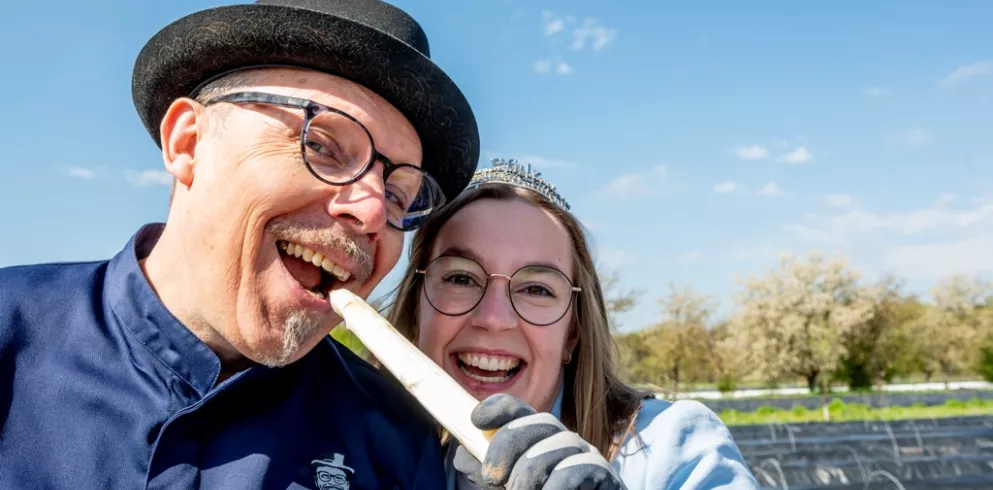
(532, 451)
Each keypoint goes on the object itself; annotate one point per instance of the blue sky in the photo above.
(697, 142)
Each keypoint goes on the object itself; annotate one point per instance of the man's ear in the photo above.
(179, 133)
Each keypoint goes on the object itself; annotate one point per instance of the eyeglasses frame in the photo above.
(312, 110)
(510, 296)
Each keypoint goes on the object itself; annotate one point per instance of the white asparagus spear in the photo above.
(441, 395)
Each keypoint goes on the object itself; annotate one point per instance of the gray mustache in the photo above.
(329, 238)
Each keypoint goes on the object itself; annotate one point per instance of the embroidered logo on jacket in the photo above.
(332, 474)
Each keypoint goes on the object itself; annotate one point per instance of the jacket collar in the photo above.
(138, 309)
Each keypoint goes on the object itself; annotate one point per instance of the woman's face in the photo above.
(490, 348)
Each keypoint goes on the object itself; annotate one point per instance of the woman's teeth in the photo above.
(308, 255)
(490, 363)
(502, 368)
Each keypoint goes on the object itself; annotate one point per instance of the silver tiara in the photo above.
(513, 173)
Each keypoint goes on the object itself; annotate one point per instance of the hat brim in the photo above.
(211, 42)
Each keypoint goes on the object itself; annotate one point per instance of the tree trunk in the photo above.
(675, 378)
(812, 381)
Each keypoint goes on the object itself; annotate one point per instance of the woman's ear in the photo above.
(570, 345)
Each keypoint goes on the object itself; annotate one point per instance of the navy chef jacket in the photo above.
(101, 387)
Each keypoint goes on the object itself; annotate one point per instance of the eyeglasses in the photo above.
(339, 150)
(455, 285)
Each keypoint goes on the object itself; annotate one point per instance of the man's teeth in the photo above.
(315, 258)
(490, 363)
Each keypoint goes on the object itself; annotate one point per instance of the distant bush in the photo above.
(726, 385)
(858, 411)
(766, 410)
(976, 403)
(799, 411)
(955, 404)
(836, 405)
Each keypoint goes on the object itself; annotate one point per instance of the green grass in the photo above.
(839, 411)
(749, 384)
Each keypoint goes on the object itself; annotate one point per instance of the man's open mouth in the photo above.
(316, 273)
(488, 368)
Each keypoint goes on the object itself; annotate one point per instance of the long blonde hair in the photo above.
(596, 403)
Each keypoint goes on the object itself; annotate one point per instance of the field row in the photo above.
(954, 452)
(839, 411)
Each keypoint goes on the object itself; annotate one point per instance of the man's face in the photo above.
(251, 212)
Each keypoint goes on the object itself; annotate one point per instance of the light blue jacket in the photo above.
(675, 445)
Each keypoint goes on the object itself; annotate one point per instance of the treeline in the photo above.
(814, 319)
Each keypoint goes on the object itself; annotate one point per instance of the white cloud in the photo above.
(851, 223)
(946, 198)
(800, 155)
(770, 190)
(552, 24)
(917, 137)
(624, 185)
(589, 34)
(753, 152)
(546, 65)
(634, 184)
(940, 259)
(950, 235)
(727, 187)
(914, 137)
(874, 92)
(966, 72)
(150, 177)
(837, 200)
(542, 66)
(593, 33)
(80, 173)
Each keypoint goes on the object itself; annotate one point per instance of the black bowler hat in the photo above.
(369, 42)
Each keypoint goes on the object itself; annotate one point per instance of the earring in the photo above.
(568, 358)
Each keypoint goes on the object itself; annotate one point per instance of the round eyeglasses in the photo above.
(339, 150)
(455, 285)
